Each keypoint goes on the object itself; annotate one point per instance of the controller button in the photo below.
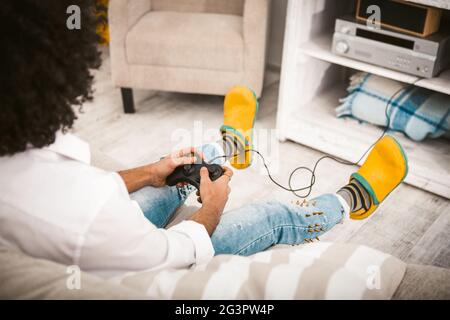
(188, 169)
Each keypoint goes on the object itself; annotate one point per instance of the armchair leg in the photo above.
(127, 99)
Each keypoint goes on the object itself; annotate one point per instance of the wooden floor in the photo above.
(411, 224)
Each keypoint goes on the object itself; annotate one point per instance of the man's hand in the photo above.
(163, 168)
(155, 174)
(213, 196)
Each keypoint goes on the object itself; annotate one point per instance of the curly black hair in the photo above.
(45, 69)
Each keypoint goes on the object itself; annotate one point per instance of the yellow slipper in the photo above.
(385, 168)
(239, 113)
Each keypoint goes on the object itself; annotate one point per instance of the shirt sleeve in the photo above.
(120, 239)
(200, 238)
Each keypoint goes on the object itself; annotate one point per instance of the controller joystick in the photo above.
(190, 173)
(188, 169)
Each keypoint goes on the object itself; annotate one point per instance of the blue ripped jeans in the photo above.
(254, 227)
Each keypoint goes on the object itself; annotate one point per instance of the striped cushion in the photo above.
(319, 270)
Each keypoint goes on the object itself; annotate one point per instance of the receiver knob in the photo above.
(342, 47)
(345, 30)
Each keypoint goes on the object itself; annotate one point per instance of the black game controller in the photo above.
(190, 173)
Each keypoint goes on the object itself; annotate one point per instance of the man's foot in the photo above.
(385, 168)
(239, 113)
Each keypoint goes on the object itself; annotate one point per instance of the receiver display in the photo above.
(399, 42)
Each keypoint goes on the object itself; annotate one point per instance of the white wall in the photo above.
(275, 44)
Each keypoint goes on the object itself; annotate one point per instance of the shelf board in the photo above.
(320, 48)
(316, 125)
(443, 4)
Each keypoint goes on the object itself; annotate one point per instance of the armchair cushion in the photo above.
(189, 40)
(235, 7)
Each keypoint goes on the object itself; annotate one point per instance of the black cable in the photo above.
(327, 156)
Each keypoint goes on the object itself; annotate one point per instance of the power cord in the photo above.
(327, 156)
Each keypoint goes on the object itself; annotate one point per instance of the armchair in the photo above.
(193, 46)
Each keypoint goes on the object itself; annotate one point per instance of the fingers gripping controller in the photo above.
(190, 173)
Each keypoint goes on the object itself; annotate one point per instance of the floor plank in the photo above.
(433, 248)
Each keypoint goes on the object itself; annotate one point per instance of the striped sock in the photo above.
(355, 195)
(231, 146)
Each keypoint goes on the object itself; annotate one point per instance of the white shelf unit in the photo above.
(312, 81)
(443, 4)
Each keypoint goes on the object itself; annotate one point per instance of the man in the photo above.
(55, 205)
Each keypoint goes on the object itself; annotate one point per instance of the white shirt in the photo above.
(54, 205)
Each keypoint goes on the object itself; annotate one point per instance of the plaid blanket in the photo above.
(417, 112)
